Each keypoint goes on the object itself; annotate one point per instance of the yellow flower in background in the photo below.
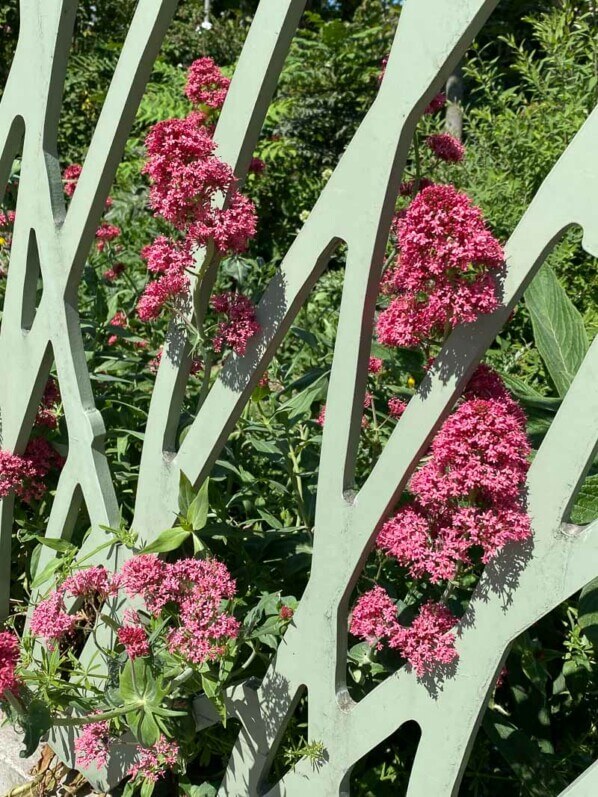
(2, 241)
(410, 382)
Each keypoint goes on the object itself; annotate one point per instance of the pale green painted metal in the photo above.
(356, 207)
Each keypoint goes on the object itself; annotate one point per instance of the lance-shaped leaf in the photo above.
(558, 328)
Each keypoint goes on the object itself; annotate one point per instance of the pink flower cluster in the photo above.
(153, 762)
(469, 493)
(134, 639)
(92, 745)
(112, 273)
(105, 234)
(240, 323)
(9, 658)
(26, 475)
(119, 320)
(196, 589)
(7, 220)
(446, 147)
(50, 619)
(187, 177)
(375, 365)
(206, 85)
(396, 407)
(426, 643)
(437, 104)
(70, 178)
(446, 272)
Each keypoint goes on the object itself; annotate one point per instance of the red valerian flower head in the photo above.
(152, 763)
(429, 640)
(436, 104)
(119, 320)
(9, 658)
(134, 639)
(92, 745)
(105, 233)
(187, 178)
(70, 178)
(481, 451)
(374, 617)
(446, 272)
(446, 147)
(240, 324)
(50, 620)
(206, 85)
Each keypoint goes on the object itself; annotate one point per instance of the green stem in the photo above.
(73, 722)
(418, 163)
(207, 372)
(298, 486)
(180, 679)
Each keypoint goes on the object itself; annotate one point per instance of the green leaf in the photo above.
(110, 622)
(197, 513)
(190, 790)
(211, 687)
(147, 788)
(558, 327)
(137, 684)
(586, 505)
(588, 612)
(300, 405)
(186, 494)
(46, 573)
(523, 755)
(35, 723)
(55, 544)
(270, 627)
(144, 726)
(168, 540)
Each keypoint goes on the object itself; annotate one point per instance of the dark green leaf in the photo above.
(55, 544)
(36, 722)
(586, 506)
(168, 540)
(559, 331)
(46, 573)
(197, 513)
(588, 612)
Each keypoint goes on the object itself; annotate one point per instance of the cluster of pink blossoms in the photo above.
(446, 147)
(436, 104)
(206, 85)
(195, 589)
(446, 271)
(26, 475)
(92, 745)
(192, 589)
(51, 621)
(134, 639)
(469, 493)
(240, 323)
(187, 178)
(153, 762)
(9, 658)
(426, 643)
